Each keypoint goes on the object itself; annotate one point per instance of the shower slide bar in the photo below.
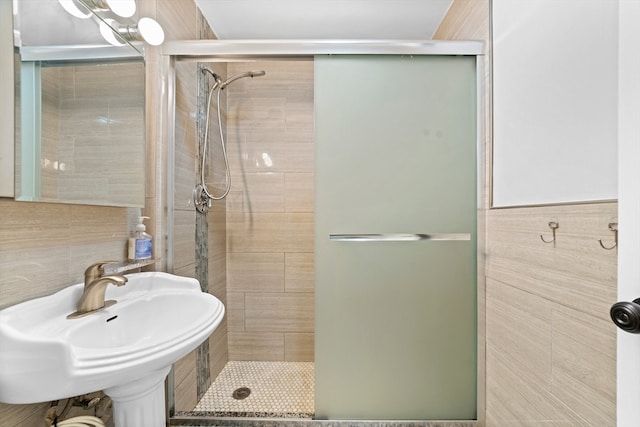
(398, 237)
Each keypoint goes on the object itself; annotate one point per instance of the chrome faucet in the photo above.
(95, 286)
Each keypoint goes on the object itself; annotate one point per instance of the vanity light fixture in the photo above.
(146, 29)
(108, 30)
(114, 32)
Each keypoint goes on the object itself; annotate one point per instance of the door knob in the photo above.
(626, 315)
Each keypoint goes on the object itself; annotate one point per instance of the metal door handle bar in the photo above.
(398, 237)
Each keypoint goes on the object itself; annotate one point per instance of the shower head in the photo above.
(256, 73)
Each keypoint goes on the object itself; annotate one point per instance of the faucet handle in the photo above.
(95, 270)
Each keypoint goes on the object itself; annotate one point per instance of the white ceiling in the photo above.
(324, 19)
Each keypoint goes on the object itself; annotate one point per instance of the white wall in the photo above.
(555, 101)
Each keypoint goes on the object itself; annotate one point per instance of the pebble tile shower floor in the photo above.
(277, 390)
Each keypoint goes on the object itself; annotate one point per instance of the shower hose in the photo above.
(222, 144)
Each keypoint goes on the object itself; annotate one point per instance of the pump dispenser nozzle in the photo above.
(140, 226)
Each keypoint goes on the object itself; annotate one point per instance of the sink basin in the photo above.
(158, 319)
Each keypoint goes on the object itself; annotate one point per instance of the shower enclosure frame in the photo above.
(291, 50)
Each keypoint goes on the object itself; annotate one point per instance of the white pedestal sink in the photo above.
(126, 349)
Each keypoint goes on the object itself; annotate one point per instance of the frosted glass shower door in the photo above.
(395, 237)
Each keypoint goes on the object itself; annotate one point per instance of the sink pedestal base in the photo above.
(140, 403)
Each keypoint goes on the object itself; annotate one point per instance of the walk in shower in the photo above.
(355, 314)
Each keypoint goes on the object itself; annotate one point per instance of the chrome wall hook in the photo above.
(613, 226)
(553, 225)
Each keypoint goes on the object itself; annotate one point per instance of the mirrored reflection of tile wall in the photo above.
(93, 133)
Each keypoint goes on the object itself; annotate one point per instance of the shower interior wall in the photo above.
(270, 213)
(260, 238)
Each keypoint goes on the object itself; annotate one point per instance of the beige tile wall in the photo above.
(550, 348)
(270, 213)
(46, 246)
(550, 344)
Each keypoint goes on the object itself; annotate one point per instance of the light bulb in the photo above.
(151, 31)
(124, 8)
(72, 8)
(108, 33)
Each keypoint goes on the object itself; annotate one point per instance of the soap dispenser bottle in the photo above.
(141, 243)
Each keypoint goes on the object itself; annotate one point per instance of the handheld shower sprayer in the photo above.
(202, 197)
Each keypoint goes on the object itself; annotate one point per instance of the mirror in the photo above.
(79, 112)
(80, 132)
